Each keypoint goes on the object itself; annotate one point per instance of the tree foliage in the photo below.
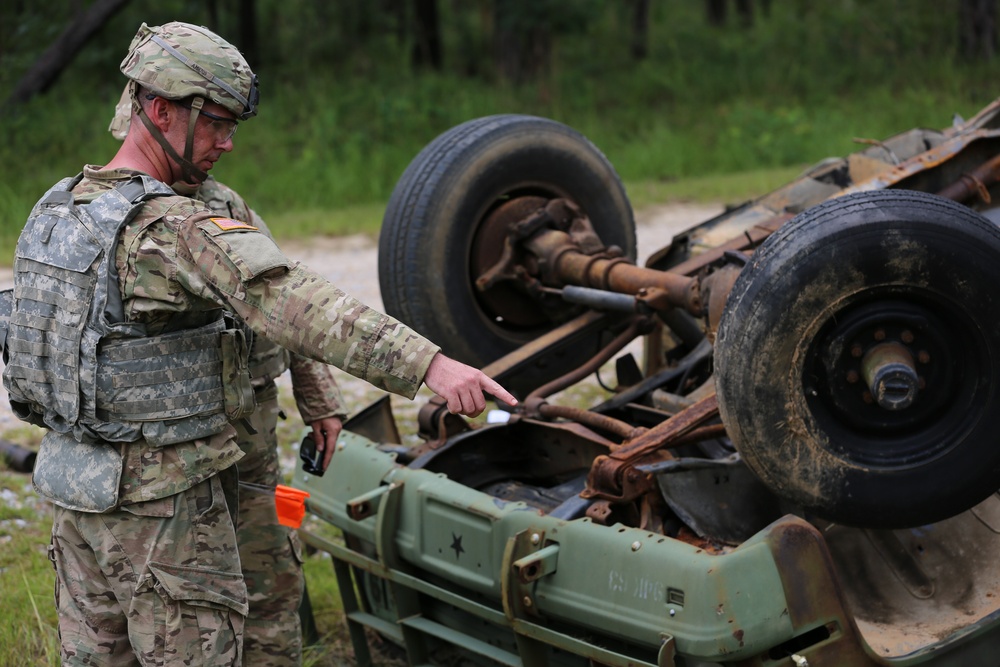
(517, 41)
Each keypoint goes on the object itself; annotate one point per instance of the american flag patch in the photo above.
(228, 224)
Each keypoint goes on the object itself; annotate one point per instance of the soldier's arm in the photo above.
(304, 313)
(242, 270)
(317, 394)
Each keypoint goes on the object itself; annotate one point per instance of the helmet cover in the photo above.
(179, 60)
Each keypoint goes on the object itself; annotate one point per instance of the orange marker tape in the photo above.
(291, 504)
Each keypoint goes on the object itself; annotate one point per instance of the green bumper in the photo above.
(439, 563)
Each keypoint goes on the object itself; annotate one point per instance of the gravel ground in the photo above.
(351, 264)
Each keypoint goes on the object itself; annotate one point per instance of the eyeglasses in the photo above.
(223, 127)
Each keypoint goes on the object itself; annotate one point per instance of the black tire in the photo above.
(433, 240)
(900, 267)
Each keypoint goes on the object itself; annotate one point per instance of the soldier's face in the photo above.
(213, 134)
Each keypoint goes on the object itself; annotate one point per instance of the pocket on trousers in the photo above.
(199, 616)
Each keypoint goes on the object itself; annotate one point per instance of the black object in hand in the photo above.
(312, 461)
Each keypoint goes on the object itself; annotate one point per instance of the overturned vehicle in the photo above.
(800, 469)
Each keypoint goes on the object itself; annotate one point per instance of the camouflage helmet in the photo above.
(178, 60)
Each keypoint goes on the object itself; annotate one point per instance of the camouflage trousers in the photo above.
(269, 552)
(155, 583)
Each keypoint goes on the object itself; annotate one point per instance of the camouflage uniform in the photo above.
(177, 260)
(144, 530)
(270, 554)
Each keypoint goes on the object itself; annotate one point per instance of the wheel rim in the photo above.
(507, 305)
(938, 339)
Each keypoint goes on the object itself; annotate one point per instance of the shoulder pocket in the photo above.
(251, 251)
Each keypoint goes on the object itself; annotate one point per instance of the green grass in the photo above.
(29, 635)
(329, 177)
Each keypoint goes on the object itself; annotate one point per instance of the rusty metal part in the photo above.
(697, 435)
(891, 375)
(614, 477)
(662, 434)
(535, 354)
(655, 298)
(601, 422)
(562, 263)
(437, 424)
(599, 511)
(715, 289)
(635, 328)
(969, 184)
(495, 261)
(748, 241)
(881, 144)
(810, 583)
(975, 182)
(495, 251)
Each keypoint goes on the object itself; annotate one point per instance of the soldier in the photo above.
(270, 554)
(119, 345)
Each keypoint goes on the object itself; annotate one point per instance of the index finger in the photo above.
(494, 389)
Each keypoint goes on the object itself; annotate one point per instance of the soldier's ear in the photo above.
(162, 112)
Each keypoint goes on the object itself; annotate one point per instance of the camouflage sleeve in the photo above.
(317, 395)
(242, 269)
(267, 360)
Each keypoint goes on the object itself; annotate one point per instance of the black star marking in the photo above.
(456, 544)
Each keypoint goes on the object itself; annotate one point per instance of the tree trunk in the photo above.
(744, 9)
(521, 51)
(639, 43)
(46, 70)
(213, 15)
(427, 46)
(249, 44)
(977, 29)
(715, 12)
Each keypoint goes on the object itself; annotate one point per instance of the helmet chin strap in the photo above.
(189, 172)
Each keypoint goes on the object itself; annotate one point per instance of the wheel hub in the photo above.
(507, 302)
(882, 372)
(891, 375)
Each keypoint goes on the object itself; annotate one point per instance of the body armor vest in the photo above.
(74, 364)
